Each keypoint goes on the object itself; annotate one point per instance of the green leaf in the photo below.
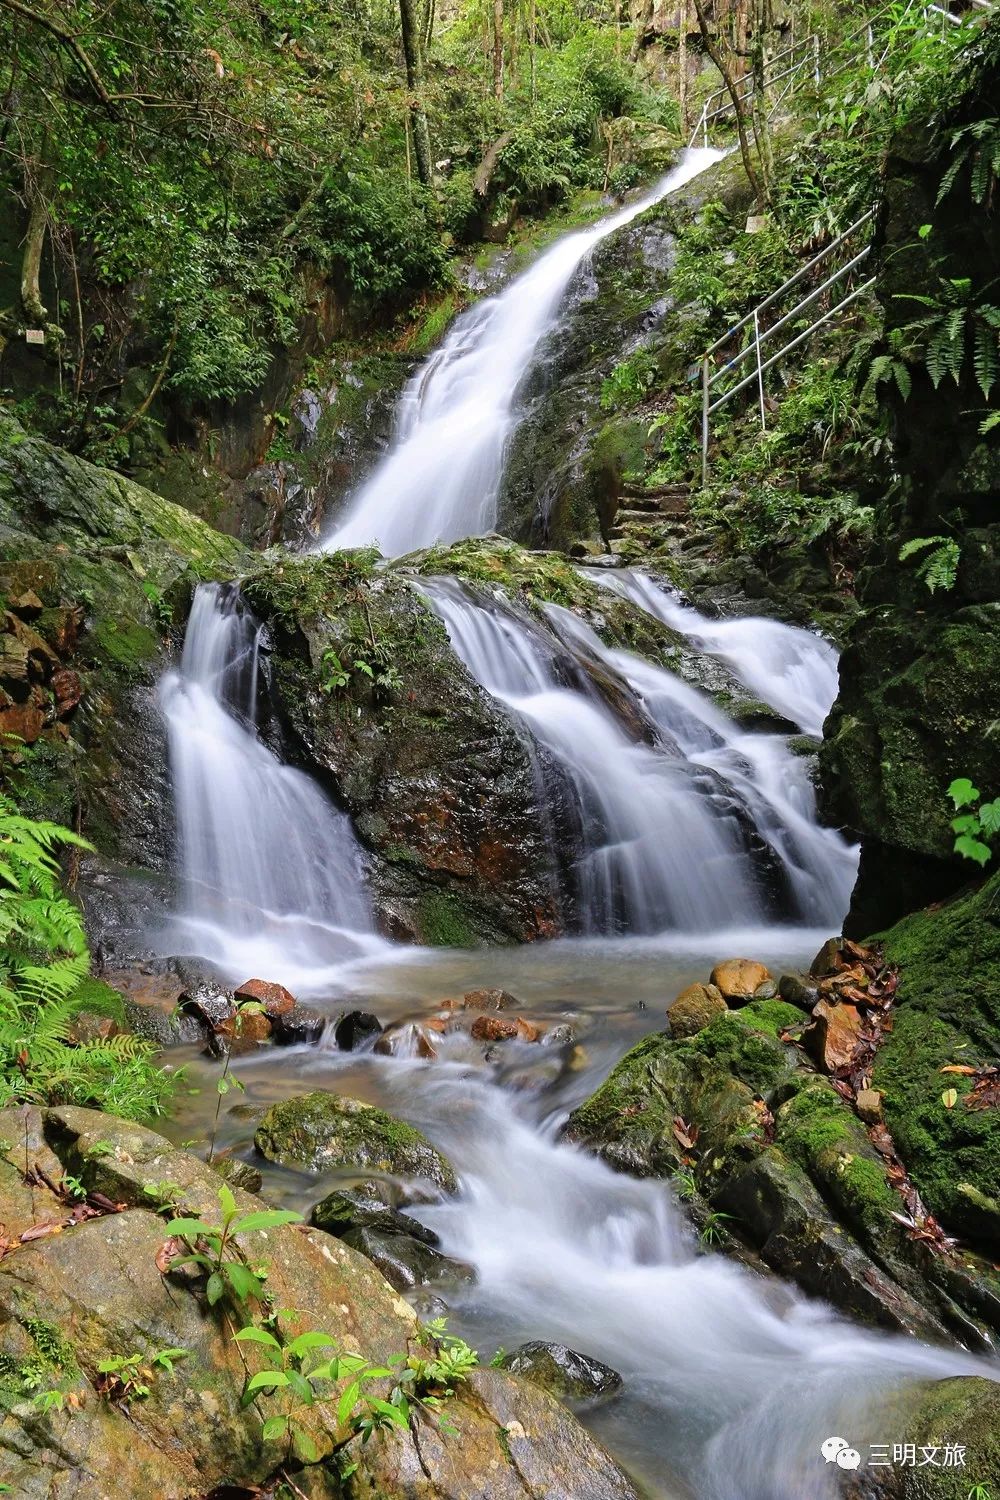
(300, 1385)
(311, 1340)
(348, 1401)
(242, 1280)
(274, 1427)
(949, 1098)
(191, 1229)
(989, 817)
(267, 1380)
(254, 1335)
(962, 792)
(265, 1218)
(227, 1203)
(967, 823)
(971, 848)
(214, 1288)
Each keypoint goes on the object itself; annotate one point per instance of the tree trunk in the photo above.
(682, 68)
(410, 19)
(498, 49)
(34, 309)
(739, 104)
(641, 26)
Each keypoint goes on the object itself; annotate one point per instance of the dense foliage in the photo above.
(187, 183)
(44, 987)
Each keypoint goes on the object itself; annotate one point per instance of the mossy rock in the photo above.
(320, 1130)
(948, 1013)
(95, 1291)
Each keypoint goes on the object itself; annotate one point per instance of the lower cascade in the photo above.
(271, 869)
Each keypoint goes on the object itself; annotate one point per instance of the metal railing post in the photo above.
(704, 421)
(760, 370)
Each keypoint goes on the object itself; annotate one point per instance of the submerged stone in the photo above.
(565, 1372)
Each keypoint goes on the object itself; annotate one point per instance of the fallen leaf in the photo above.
(167, 1253)
(949, 1098)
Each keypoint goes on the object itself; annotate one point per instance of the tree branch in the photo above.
(68, 40)
(732, 88)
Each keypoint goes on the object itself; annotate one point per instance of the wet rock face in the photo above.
(94, 570)
(442, 788)
(916, 706)
(567, 459)
(71, 1300)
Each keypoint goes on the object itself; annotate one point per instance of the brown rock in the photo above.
(832, 1035)
(24, 721)
(826, 960)
(276, 1000)
(248, 1028)
(694, 1008)
(527, 1031)
(41, 657)
(88, 1027)
(869, 1106)
(27, 605)
(737, 978)
(68, 690)
(490, 1000)
(60, 627)
(13, 659)
(493, 1029)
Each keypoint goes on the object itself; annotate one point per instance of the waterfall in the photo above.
(692, 825)
(272, 875)
(792, 670)
(441, 479)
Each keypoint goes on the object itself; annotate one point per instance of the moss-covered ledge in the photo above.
(948, 1014)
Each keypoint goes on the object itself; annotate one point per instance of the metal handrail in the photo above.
(732, 366)
(794, 280)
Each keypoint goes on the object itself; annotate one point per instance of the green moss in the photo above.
(820, 1131)
(443, 923)
(750, 1052)
(320, 1130)
(129, 645)
(101, 1000)
(948, 1013)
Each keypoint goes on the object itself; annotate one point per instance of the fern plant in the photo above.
(975, 147)
(959, 320)
(44, 961)
(939, 567)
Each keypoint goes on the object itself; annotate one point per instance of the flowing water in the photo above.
(705, 826)
(694, 840)
(441, 479)
(271, 869)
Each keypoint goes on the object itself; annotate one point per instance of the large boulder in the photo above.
(739, 1118)
(441, 786)
(100, 1289)
(317, 1131)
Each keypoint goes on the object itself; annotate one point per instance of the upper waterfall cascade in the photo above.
(441, 478)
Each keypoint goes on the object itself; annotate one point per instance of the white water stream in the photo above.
(271, 869)
(441, 478)
(732, 1380)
